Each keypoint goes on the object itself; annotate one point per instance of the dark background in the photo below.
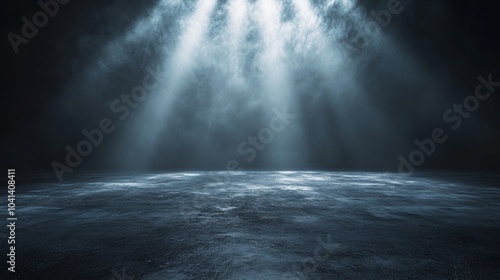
(455, 41)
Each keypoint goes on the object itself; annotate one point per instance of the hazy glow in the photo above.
(179, 65)
(273, 57)
(227, 65)
(347, 4)
(262, 67)
(312, 41)
(196, 28)
(237, 29)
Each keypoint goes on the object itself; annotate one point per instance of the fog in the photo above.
(205, 85)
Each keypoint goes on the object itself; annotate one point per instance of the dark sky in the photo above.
(382, 95)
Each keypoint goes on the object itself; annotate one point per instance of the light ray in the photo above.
(275, 78)
(276, 82)
(237, 29)
(312, 43)
(178, 67)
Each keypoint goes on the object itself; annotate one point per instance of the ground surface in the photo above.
(259, 225)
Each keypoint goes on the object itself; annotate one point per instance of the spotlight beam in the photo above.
(311, 41)
(276, 82)
(147, 127)
(275, 78)
(236, 30)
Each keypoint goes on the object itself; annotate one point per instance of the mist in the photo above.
(355, 83)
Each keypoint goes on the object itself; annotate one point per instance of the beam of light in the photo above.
(228, 86)
(276, 82)
(275, 76)
(306, 15)
(227, 53)
(236, 30)
(326, 58)
(225, 50)
(346, 83)
(184, 56)
(235, 65)
(147, 127)
(311, 42)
